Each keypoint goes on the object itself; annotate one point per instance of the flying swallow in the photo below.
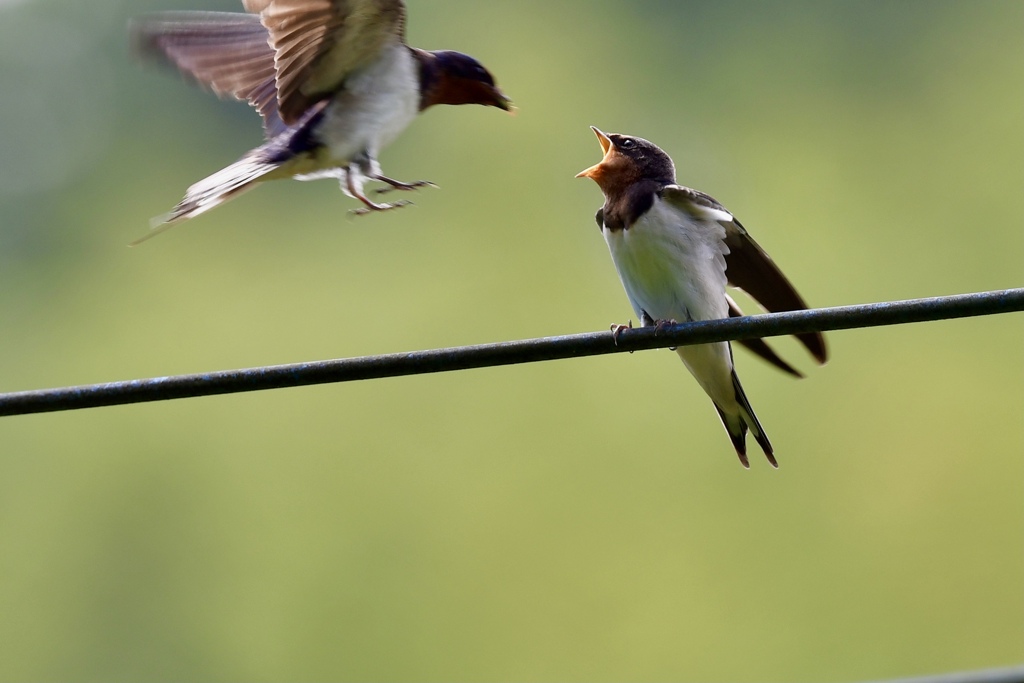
(675, 250)
(333, 80)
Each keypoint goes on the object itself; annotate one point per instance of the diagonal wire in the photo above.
(510, 353)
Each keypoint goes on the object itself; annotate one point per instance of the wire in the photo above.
(1007, 675)
(510, 353)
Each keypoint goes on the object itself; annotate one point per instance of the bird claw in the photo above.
(660, 325)
(374, 208)
(399, 185)
(618, 329)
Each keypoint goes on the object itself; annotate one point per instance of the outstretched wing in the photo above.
(226, 52)
(747, 265)
(318, 43)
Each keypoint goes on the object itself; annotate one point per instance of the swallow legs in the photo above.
(354, 187)
(617, 329)
(660, 325)
(647, 321)
(399, 185)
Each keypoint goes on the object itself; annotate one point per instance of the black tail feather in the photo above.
(750, 419)
(738, 438)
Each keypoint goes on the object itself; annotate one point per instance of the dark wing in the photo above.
(747, 265)
(692, 201)
(226, 52)
(760, 346)
(318, 43)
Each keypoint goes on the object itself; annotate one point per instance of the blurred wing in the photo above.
(318, 43)
(747, 265)
(228, 53)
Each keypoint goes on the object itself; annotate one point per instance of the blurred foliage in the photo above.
(568, 521)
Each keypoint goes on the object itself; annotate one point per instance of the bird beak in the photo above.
(504, 103)
(609, 150)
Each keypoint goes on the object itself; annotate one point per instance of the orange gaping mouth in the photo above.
(597, 170)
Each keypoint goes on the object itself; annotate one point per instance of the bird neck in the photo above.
(625, 204)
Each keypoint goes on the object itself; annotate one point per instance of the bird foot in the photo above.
(660, 325)
(399, 185)
(372, 207)
(618, 329)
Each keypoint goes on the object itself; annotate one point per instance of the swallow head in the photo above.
(455, 78)
(628, 159)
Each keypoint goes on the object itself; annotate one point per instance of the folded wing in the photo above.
(760, 346)
(748, 267)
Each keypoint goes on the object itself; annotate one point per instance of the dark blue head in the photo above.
(450, 77)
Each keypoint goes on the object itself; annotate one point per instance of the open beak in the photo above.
(608, 149)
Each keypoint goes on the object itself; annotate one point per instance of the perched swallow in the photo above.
(334, 81)
(675, 250)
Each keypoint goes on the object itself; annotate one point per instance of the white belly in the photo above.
(672, 266)
(377, 104)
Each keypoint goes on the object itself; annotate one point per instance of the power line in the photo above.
(1007, 675)
(510, 353)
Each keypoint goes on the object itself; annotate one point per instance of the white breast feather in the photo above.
(377, 104)
(672, 265)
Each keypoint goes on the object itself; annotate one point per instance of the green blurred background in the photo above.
(567, 521)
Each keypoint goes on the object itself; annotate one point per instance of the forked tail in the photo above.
(737, 426)
(213, 191)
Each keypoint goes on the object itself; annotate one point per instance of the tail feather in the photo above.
(737, 431)
(213, 191)
(738, 425)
